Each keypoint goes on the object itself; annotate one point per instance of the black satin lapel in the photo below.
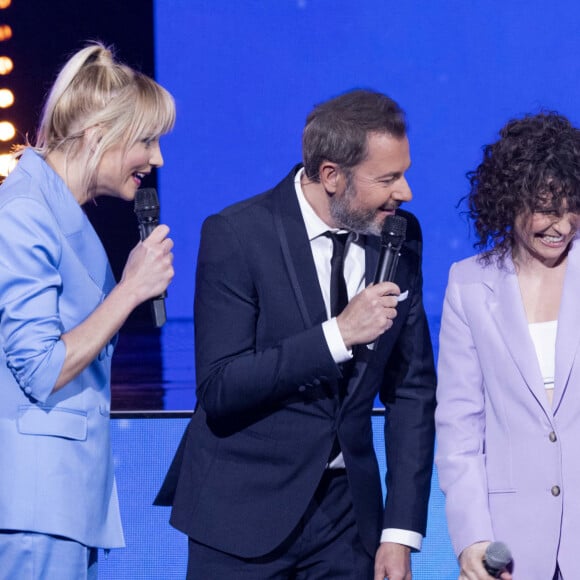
(298, 253)
(361, 353)
(402, 273)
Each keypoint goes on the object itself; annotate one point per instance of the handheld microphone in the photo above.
(147, 211)
(392, 238)
(496, 559)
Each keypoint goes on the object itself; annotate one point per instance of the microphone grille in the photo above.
(498, 555)
(146, 204)
(394, 230)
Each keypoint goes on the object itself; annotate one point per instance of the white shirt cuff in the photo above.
(334, 341)
(412, 539)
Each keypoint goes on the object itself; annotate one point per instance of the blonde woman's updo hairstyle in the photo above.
(97, 103)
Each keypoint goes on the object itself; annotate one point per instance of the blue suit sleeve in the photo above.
(30, 327)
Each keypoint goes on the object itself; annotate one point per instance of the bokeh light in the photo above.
(6, 65)
(7, 131)
(5, 32)
(6, 98)
(7, 164)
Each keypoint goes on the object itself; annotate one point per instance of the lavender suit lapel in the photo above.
(568, 335)
(506, 309)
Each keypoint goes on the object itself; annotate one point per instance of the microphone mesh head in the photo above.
(394, 230)
(498, 555)
(146, 204)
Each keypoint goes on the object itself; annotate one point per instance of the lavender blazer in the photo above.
(507, 461)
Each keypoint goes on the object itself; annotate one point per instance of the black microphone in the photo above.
(147, 211)
(392, 238)
(496, 559)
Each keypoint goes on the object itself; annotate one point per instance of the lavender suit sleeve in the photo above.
(460, 424)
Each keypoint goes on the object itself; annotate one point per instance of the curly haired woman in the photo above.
(508, 415)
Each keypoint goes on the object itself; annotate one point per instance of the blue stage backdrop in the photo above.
(245, 74)
(143, 449)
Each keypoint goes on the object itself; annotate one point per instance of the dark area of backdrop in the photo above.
(45, 33)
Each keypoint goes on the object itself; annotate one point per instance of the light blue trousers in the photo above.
(33, 556)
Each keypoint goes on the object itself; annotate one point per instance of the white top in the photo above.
(544, 338)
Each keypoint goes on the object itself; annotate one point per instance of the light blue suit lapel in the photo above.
(505, 307)
(78, 231)
(568, 326)
(87, 246)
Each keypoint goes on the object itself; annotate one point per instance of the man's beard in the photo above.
(360, 221)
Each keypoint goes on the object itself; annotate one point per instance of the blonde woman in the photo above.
(60, 311)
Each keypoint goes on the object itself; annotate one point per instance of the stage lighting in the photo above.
(7, 163)
(6, 98)
(6, 65)
(5, 32)
(7, 131)
(7, 128)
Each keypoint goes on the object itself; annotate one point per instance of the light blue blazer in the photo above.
(509, 462)
(56, 468)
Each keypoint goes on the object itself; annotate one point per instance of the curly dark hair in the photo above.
(534, 166)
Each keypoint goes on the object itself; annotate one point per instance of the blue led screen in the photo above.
(246, 73)
(143, 449)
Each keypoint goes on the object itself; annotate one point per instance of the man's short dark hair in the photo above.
(337, 129)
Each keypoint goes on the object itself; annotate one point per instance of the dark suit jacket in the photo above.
(268, 409)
